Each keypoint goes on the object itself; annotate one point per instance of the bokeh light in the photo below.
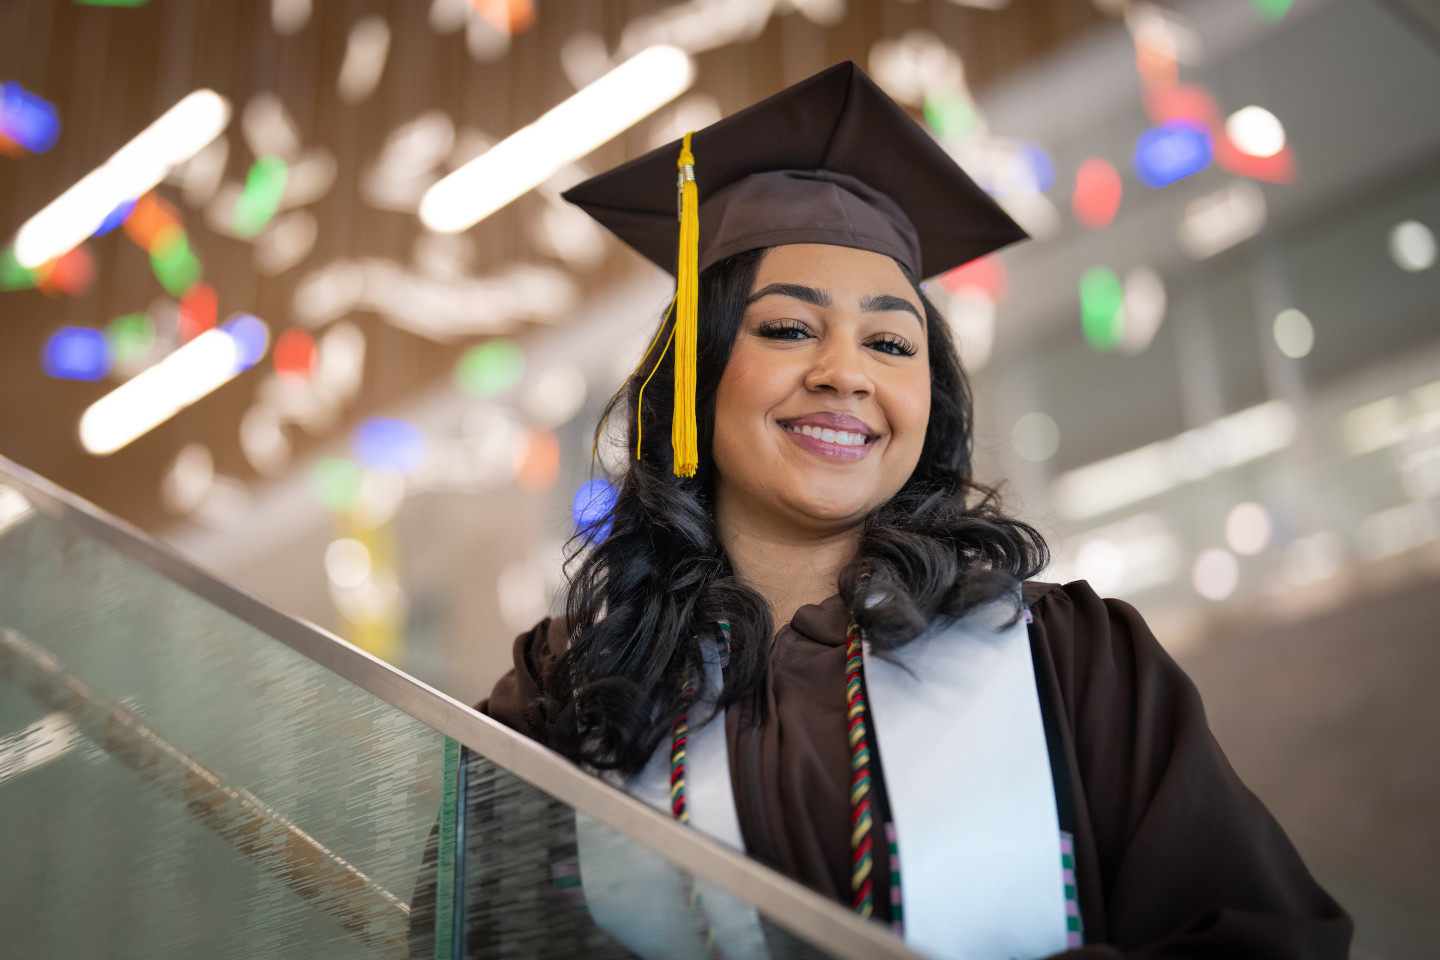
(1098, 190)
(389, 445)
(1036, 167)
(71, 273)
(1215, 574)
(985, 275)
(295, 354)
(347, 562)
(251, 337)
(1101, 318)
(131, 338)
(335, 482)
(491, 368)
(1143, 310)
(591, 508)
(199, 308)
(952, 116)
(1035, 437)
(77, 353)
(1248, 528)
(1272, 10)
(264, 187)
(150, 216)
(1412, 246)
(13, 275)
(1170, 152)
(189, 480)
(1294, 334)
(539, 460)
(27, 120)
(1255, 131)
(115, 218)
(557, 395)
(174, 265)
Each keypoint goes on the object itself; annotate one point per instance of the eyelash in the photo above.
(887, 343)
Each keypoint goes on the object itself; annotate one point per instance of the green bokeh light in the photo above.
(175, 266)
(336, 481)
(1102, 318)
(1272, 10)
(951, 115)
(131, 337)
(12, 275)
(490, 369)
(264, 187)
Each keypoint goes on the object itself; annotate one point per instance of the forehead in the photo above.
(837, 269)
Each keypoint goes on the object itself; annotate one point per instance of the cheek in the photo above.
(910, 410)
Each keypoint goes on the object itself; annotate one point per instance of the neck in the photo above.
(788, 568)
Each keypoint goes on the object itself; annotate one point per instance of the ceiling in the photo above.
(109, 71)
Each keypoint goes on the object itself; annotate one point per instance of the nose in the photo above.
(839, 368)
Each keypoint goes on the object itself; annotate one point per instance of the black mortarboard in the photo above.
(831, 159)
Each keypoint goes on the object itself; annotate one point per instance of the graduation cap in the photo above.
(831, 159)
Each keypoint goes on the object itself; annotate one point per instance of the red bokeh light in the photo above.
(1098, 190)
(198, 309)
(986, 275)
(295, 354)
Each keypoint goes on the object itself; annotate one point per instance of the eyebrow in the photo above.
(873, 303)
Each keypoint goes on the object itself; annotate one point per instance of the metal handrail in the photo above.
(781, 900)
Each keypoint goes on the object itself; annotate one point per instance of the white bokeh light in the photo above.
(347, 563)
(1035, 437)
(1248, 528)
(1412, 246)
(1215, 574)
(1256, 131)
(1294, 334)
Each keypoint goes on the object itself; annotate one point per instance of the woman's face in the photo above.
(821, 412)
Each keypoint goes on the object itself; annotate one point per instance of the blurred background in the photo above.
(267, 293)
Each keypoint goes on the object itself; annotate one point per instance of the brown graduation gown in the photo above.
(1174, 856)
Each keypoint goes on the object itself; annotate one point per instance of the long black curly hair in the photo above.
(641, 597)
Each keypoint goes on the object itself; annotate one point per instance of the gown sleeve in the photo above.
(1179, 859)
(535, 652)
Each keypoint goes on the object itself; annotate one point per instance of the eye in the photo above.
(892, 344)
(783, 330)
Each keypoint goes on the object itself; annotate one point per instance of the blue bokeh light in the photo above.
(27, 119)
(1041, 167)
(390, 446)
(77, 353)
(251, 338)
(592, 506)
(1170, 152)
(114, 218)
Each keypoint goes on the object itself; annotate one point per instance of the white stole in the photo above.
(639, 897)
(956, 717)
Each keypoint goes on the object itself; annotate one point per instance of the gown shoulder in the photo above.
(1178, 857)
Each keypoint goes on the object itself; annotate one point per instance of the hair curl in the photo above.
(640, 598)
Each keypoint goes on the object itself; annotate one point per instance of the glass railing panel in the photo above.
(185, 772)
(176, 783)
(538, 877)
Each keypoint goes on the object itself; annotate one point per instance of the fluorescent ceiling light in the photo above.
(179, 134)
(155, 395)
(531, 155)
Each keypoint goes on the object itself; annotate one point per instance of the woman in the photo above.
(822, 620)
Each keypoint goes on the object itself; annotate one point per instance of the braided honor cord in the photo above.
(863, 789)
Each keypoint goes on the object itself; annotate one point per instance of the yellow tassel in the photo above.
(683, 432)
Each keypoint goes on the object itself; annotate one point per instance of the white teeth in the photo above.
(840, 437)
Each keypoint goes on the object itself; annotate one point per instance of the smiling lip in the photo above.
(835, 436)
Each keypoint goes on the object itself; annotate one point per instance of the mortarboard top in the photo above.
(831, 159)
